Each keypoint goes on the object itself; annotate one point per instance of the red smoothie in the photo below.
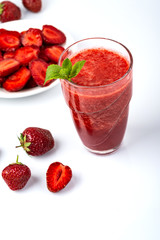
(99, 97)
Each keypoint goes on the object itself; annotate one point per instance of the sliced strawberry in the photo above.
(38, 70)
(42, 55)
(8, 66)
(14, 33)
(31, 37)
(8, 55)
(23, 32)
(2, 30)
(9, 40)
(30, 84)
(52, 35)
(26, 54)
(58, 176)
(1, 57)
(1, 80)
(54, 52)
(17, 80)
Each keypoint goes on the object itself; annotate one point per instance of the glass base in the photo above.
(104, 151)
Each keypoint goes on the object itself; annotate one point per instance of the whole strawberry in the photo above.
(32, 5)
(36, 141)
(9, 11)
(16, 175)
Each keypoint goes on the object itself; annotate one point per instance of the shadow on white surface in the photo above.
(34, 180)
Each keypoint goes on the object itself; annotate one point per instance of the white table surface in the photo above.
(116, 196)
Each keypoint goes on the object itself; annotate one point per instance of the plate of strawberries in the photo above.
(27, 48)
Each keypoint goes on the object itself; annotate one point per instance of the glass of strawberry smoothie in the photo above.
(99, 96)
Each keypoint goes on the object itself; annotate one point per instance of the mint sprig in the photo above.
(66, 71)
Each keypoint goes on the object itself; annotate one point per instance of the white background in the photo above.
(116, 196)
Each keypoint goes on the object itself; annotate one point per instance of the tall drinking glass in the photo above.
(99, 96)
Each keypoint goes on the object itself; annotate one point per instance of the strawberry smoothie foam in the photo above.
(99, 97)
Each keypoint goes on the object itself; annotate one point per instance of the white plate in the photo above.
(21, 25)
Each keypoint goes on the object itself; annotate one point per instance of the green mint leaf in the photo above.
(77, 68)
(63, 74)
(66, 71)
(52, 72)
(67, 64)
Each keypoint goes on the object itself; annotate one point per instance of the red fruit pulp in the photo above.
(98, 102)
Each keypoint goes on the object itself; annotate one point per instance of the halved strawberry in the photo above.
(8, 66)
(54, 52)
(58, 176)
(8, 55)
(9, 40)
(17, 80)
(38, 70)
(26, 54)
(31, 37)
(52, 35)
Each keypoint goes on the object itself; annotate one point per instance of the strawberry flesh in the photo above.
(8, 55)
(26, 54)
(42, 54)
(52, 35)
(2, 30)
(34, 49)
(31, 37)
(54, 52)
(8, 66)
(9, 40)
(58, 176)
(1, 80)
(1, 56)
(17, 80)
(38, 70)
(30, 84)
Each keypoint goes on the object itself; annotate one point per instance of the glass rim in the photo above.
(98, 38)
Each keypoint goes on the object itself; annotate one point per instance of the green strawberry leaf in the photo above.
(24, 143)
(1, 8)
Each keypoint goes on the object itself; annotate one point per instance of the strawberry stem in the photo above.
(17, 160)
